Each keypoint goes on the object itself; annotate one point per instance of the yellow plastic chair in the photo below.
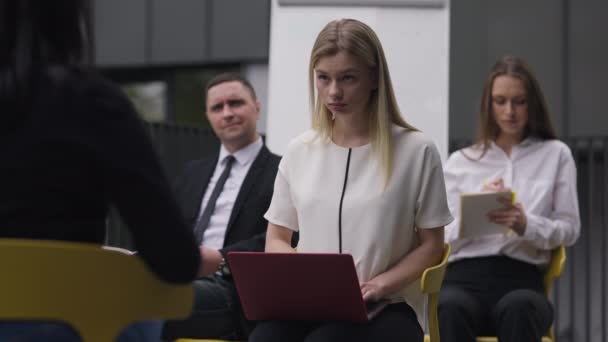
(96, 291)
(554, 270)
(430, 284)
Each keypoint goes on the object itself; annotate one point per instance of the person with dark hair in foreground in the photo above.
(494, 283)
(72, 146)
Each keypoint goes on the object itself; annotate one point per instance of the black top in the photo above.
(80, 149)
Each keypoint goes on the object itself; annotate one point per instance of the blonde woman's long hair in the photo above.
(360, 41)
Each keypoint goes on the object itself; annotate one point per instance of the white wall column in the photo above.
(257, 74)
(416, 43)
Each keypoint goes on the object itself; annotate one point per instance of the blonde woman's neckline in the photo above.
(350, 146)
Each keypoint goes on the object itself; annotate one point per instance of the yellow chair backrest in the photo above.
(555, 268)
(430, 284)
(553, 271)
(96, 291)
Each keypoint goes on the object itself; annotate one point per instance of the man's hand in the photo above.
(210, 261)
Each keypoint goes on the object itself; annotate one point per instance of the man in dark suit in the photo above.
(224, 197)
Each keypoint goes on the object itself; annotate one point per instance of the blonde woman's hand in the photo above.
(373, 290)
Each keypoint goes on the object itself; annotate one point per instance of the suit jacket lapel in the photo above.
(248, 184)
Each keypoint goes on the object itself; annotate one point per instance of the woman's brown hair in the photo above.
(539, 122)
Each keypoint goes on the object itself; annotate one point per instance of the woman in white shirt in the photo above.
(361, 182)
(493, 285)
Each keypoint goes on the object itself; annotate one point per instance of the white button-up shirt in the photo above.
(542, 173)
(216, 230)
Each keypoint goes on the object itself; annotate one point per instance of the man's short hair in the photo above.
(231, 77)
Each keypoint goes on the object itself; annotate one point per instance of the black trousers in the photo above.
(397, 322)
(493, 296)
(217, 313)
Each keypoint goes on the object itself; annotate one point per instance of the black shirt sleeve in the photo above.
(135, 182)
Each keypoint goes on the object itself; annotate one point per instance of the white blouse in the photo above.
(542, 174)
(378, 224)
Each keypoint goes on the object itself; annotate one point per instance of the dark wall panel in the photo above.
(468, 65)
(178, 31)
(120, 32)
(481, 32)
(240, 29)
(588, 53)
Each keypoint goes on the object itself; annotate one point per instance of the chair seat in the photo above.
(494, 339)
(426, 339)
(197, 340)
(487, 339)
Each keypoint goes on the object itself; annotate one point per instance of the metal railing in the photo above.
(580, 294)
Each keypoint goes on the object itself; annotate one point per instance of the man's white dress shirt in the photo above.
(216, 230)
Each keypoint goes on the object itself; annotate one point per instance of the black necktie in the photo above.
(203, 222)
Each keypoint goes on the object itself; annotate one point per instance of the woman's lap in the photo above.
(397, 322)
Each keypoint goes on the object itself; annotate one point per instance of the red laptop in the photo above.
(299, 286)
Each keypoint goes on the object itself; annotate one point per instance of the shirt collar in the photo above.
(524, 143)
(243, 156)
(527, 141)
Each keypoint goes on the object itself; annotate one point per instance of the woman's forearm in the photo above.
(278, 239)
(411, 266)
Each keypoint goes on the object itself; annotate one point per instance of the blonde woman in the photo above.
(362, 181)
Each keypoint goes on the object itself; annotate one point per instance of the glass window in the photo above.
(169, 94)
